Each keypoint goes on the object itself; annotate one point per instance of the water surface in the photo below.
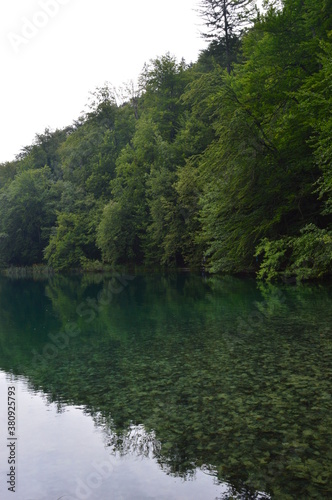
(175, 387)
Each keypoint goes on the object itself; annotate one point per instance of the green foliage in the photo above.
(260, 173)
(27, 212)
(125, 216)
(44, 151)
(211, 162)
(316, 101)
(69, 242)
(306, 256)
(116, 236)
(8, 171)
(274, 257)
(164, 83)
(189, 227)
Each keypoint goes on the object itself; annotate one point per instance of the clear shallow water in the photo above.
(168, 387)
(64, 454)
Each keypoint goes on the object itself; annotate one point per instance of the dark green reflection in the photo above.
(221, 373)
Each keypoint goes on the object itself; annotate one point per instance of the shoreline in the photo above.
(43, 271)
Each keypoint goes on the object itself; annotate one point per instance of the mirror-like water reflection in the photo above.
(65, 454)
(187, 387)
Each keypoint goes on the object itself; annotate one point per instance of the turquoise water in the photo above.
(167, 387)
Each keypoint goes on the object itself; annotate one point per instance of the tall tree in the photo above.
(164, 81)
(45, 151)
(226, 20)
(259, 172)
(27, 212)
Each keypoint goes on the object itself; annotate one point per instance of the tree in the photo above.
(8, 170)
(71, 241)
(164, 81)
(309, 254)
(27, 212)
(226, 21)
(45, 151)
(259, 172)
(116, 234)
(315, 100)
(123, 222)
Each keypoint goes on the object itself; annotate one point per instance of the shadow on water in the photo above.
(216, 373)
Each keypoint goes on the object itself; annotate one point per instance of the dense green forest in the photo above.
(227, 161)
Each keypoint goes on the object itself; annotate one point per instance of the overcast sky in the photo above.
(53, 52)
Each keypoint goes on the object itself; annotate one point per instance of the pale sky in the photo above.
(54, 52)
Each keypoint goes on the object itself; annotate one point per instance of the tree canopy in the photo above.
(226, 162)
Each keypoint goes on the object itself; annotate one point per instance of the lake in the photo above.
(165, 386)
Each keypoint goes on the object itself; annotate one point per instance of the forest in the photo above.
(225, 162)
